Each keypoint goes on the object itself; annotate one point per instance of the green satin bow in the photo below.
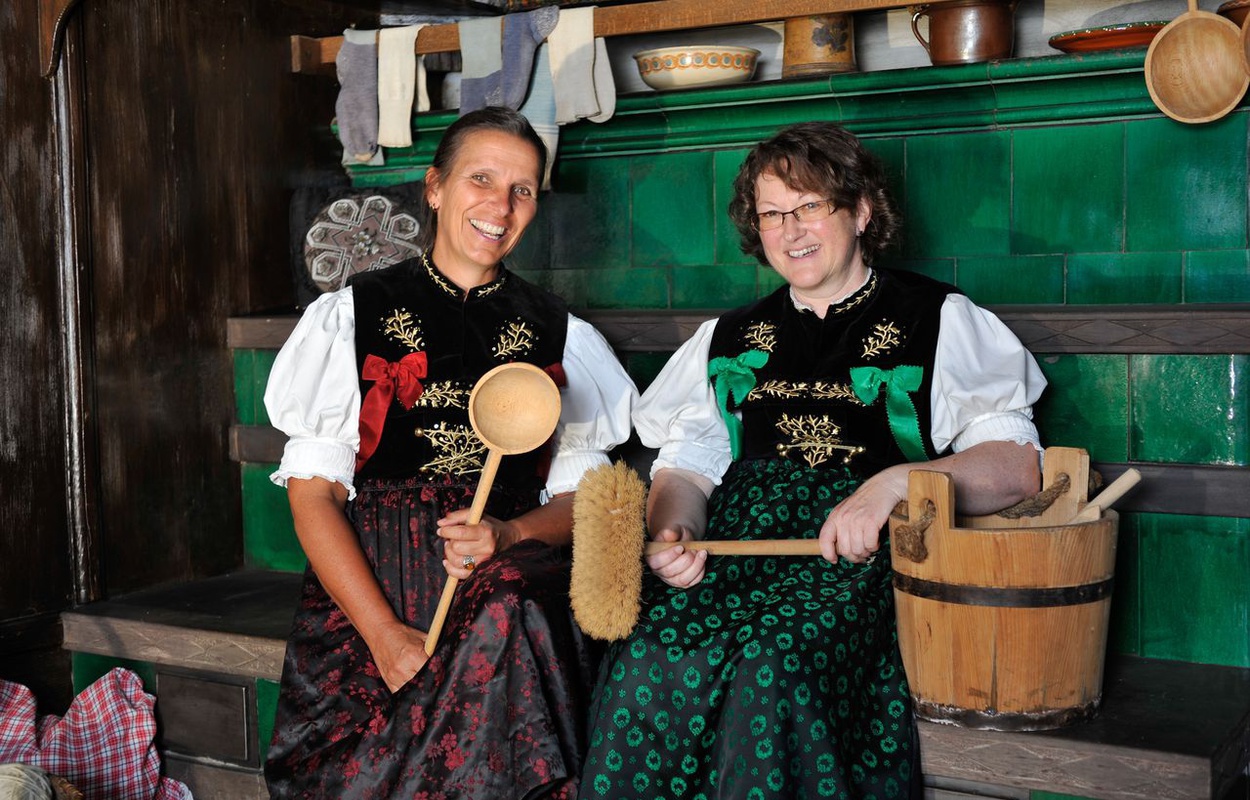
(899, 409)
(736, 377)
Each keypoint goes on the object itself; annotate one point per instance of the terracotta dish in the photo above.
(1236, 10)
(1109, 37)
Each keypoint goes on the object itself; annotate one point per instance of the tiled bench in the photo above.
(1167, 730)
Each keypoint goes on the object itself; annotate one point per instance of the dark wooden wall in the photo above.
(35, 565)
(185, 136)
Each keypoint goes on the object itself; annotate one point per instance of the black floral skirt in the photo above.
(499, 710)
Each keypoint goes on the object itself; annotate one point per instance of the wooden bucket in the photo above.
(1002, 623)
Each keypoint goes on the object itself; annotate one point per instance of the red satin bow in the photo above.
(556, 373)
(391, 380)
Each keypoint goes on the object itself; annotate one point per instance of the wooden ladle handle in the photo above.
(493, 457)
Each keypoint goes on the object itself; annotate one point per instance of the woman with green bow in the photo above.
(801, 416)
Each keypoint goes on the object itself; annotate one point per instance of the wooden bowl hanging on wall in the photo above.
(1196, 67)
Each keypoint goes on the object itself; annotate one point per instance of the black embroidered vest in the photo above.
(804, 405)
(411, 307)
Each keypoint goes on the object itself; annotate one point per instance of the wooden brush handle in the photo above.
(493, 457)
(751, 547)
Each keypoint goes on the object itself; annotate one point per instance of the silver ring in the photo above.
(468, 563)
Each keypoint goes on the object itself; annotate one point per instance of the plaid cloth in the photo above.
(103, 744)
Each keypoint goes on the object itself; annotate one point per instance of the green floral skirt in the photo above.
(774, 677)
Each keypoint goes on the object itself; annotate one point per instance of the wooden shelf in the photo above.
(316, 55)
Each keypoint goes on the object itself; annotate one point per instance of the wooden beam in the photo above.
(317, 55)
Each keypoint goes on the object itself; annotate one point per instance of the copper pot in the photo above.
(967, 31)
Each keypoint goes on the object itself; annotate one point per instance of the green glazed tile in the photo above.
(262, 365)
(627, 288)
(1085, 404)
(251, 374)
(1011, 279)
(893, 156)
(673, 219)
(1038, 795)
(1124, 278)
(269, 540)
(266, 709)
(590, 214)
(724, 286)
(767, 280)
(940, 269)
(643, 367)
(958, 195)
(1124, 627)
(534, 249)
(570, 284)
(1198, 606)
(245, 400)
(1186, 184)
(1068, 189)
(728, 243)
(1217, 276)
(1190, 409)
(87, 668)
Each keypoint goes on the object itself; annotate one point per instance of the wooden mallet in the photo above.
(513, 409)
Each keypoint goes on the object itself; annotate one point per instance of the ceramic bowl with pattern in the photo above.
(686, 66)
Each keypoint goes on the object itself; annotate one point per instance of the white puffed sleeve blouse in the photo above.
(984, 385)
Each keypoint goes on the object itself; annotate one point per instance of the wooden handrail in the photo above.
(316, 55)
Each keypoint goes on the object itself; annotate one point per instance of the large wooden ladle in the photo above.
(513, 409)
(1195, 68)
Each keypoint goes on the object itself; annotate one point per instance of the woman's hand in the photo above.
(481, 541)
(399, 653)
(853, 528)
(677, 566)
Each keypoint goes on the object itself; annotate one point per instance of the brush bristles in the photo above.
(608, 535)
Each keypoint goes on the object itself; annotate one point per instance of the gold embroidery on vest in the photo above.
(761, 336)
(835, 391)
(776, 388)
(816, 439)
(402, 326)
(883, 339)
(457, 449)
(820, 390)
(514, 339)
(490, 289)
(443, 394)
(437, 277)
(860, 297)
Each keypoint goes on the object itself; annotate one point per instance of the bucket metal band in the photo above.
(1046, 597)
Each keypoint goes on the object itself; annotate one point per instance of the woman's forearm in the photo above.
(335, 556)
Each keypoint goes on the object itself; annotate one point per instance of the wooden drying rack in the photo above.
(316, 55)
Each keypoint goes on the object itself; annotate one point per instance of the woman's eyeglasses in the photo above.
(808, 212)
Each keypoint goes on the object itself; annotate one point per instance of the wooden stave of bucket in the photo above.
(1003, 628)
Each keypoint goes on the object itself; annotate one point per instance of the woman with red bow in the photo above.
(380, 469)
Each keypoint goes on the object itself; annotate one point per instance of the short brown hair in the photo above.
(823, 158)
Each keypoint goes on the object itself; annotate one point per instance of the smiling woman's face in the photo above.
(820, 259)
(485, 199)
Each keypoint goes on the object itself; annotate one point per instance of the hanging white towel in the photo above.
(401, 73)
(580, 70)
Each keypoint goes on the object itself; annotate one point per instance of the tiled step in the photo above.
(1166, 729)
(214, 650)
